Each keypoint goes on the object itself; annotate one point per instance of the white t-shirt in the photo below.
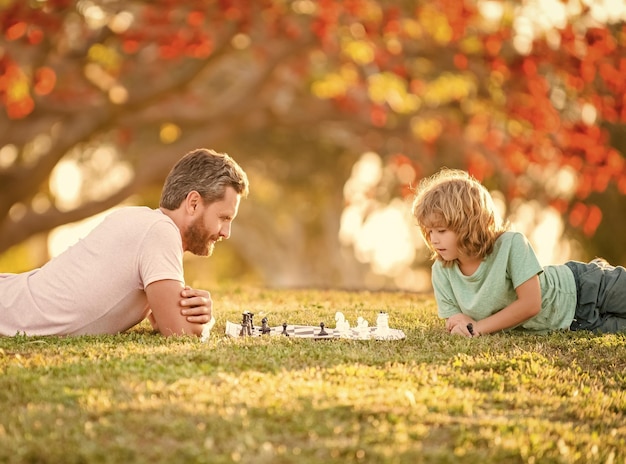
(492, 286)
(97, 286)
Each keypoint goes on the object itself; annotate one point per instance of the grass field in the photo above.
(138, 397)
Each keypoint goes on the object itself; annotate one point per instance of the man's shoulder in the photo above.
(138, 214)
(138, 222)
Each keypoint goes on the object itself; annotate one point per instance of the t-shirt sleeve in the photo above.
(523, 263)
(447, 305)
(161, 254)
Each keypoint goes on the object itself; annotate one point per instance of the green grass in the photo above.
(138, 397)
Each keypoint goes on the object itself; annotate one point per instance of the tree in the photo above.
(134, 84)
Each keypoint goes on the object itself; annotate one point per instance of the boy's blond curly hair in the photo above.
(454, 200)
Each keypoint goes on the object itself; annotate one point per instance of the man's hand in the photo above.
(197, 306)
(457, 325)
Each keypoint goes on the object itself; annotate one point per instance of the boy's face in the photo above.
(444, 241)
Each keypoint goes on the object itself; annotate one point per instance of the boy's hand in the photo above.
(197, 305)
(458, 325)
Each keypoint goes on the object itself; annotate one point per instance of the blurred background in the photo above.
(336, 110)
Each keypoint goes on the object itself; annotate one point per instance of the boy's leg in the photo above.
(601, 296)
(612, 299)
(612, 324)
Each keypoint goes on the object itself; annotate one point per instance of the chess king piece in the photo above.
(382, 324)
(250, 323)
(246, 324)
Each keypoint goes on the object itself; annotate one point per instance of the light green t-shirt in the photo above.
(492, 287)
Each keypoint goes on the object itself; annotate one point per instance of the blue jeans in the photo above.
(601, 296)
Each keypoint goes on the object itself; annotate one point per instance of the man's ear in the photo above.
(192, 202)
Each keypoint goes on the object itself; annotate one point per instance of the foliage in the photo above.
(520, 95)
(430, 398)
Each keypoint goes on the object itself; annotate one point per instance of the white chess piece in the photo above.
(342, 326)
(362, 328)
(382, 324)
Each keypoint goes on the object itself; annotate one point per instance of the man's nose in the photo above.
(225, 231)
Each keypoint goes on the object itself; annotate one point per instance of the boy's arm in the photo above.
(176, 309)
(527, 305)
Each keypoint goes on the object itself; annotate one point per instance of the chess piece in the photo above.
(382, 324)
(250, 323)
(244, 324)
(265, 329)
(284, 332)
(322, 331)
(342, 326)
(363, 328)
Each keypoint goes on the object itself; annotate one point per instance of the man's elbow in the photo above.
(186, 330)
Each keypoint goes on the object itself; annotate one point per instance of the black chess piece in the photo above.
(284, 332)
(322, 331)
(244, 324)
(265, 329)
(250, 323)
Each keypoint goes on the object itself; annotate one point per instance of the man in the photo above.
(130, 267)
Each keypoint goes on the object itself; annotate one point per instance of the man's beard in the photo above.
(198, 240)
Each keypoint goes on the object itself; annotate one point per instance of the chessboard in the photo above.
(313, 332)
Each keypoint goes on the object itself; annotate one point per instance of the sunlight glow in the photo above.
(607, 11)
(8, 155)
(491, 10)
(92, 175)
(366, 174)
(534, 18)
(63, 237)
(121, 22)
(118, 94)
(588, 114)
(381, 235)
(66, 181)
(385, 240)
(544, 229)
(95, 17)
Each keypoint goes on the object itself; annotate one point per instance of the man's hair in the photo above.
(206, 172)
(454, 200)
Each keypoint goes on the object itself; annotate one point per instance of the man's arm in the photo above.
(166, 298)
(196, 305)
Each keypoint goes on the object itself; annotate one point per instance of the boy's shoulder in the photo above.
(509, 237)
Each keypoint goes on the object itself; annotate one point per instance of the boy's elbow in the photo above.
(534, 310)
